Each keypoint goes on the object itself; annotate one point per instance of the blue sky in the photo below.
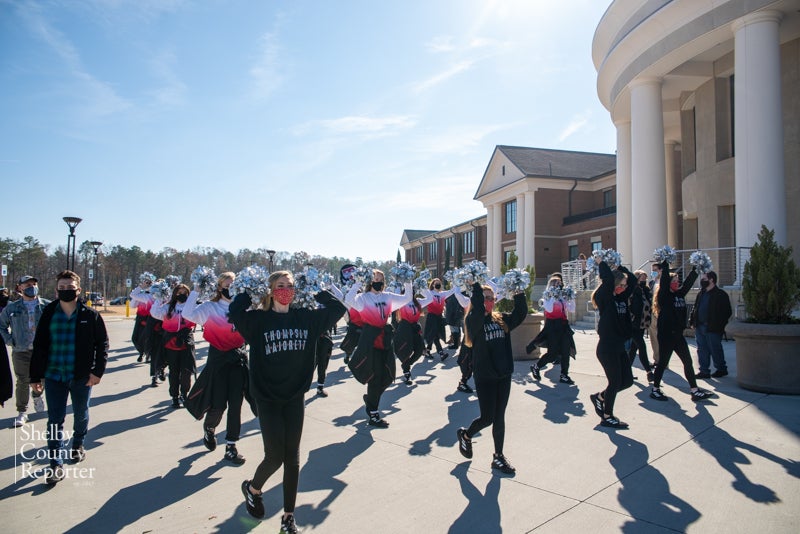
(322, 126)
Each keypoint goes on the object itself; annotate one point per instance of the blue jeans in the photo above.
(709, 344)
(56, 393)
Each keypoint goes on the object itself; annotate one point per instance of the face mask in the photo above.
(489, 304)
(619, 290)
(3, 300)
(182, 297)
(31, 291)
(704, 283)
(377, 286)
(67, 295)
(654, 274)
(284, 295)
(437, 286)
(674, 285)
(226, 293)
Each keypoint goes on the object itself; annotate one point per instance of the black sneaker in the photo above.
(613, 422)
(599, 408)
(702, 374)
(176, 403)
(464, 443)
(154, 383)
(565, 379)
(210, 439)
(375, 420)
(321, 391)
(254, 504)
(346, 359)
(464, 387)
(427, 354)
(651, 377)
(407, 379)
(536, 372)
(232, 455)
(77, 454)
(443, 354)
(162, 375)
(719, 373)
(657, 394)
(288, 525)
(140, 359)
(56, 475)
(701, 394)
(502, 464)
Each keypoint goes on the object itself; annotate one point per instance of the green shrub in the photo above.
(771, 281)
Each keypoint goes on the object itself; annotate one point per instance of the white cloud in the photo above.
(458, 140)
(173, 89)
(358, 125)
(441, 43)
(265, 73)
(435, 80)
(575, 125)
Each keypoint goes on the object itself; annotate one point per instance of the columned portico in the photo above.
(673, 206)
(528, 255)
(495, 245)
(521, 230)
(648, 175)
(624, 236)
(759, 179)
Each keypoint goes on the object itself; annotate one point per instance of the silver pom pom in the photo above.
(609, 255)
(515, 280)
(665, 253)
(307, 284)
(464, 277)
(403, 273)
(147, 275)
(422, 281)
(253, 280)
(362, 274)
(205, 280)
(702, 261)
(161, 290)
(172, 280)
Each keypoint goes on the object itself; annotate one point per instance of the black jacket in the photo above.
(719, 310)
(453, 311)
(614, 325)
(672, 317)
(91, 343)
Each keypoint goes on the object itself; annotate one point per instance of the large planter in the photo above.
(767, 356)
(524, 333)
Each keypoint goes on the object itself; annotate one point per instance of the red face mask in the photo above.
(284, 295)
(619, 290)
(674, 285)
(488, 304)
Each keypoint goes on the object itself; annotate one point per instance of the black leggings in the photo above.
(551, 357)
(465, 362)
(228, 391)
(281, 429)
(180, 371)
(492, 400)
(618, 372)
(667, 344)
(140, 334)
(637, 342)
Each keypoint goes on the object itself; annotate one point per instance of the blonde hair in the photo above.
(272, 281)
(497, 317)
(228, 275)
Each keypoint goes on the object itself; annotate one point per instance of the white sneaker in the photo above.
(21, 419)
(38, 403)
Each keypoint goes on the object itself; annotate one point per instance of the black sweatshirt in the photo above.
(614, 325)
(282, 345)
(672, 318)
(492, 356)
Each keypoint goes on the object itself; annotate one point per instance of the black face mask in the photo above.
(225, 292)
(437, 286)
(704, 283)
(182, 297)
(377, 286)
(67, 295)
(3, 301)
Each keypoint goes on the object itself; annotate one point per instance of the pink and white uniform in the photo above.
(214, 317)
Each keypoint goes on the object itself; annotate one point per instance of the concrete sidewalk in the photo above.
(729, 464)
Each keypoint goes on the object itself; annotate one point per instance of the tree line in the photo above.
(115, 264)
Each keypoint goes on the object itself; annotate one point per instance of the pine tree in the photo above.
(771, 281)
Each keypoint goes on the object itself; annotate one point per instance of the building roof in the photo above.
(545, 162)
(413, 235)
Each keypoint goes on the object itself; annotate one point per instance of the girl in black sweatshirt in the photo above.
(669, 305)
(488, 331)
(614, 329)
(282, 359)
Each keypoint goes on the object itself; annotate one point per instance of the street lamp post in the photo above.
(271, 255)
(96, 245)
(72, 222)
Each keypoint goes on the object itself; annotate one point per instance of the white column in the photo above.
(489, 235)
(497, 247)
(624, 199)
(648, 187)
(758, 128)
(520, 230)
(672, 193)
(530, 231)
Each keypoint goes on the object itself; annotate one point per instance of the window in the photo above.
(597, 243)
(420, 254)
(507, 256)
(432, 250)
(608, 198)
(469, 242)
(511, 217)
(573, 252)
(449, 243)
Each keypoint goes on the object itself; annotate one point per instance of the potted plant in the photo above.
(768, 341)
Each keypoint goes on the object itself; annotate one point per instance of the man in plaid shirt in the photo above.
(70, 351)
